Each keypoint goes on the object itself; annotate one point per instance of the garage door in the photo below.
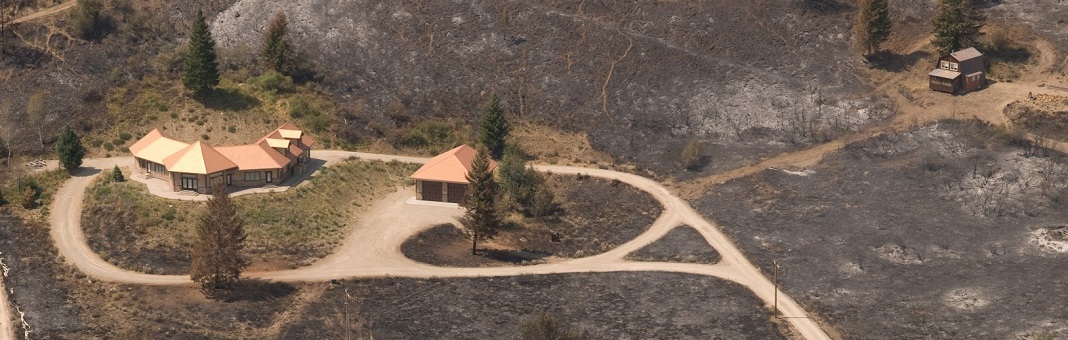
(432, 191)
(457, 192)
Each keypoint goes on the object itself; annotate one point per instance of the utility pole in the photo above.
(775, 281)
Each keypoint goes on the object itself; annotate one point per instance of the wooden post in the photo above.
(775, 282)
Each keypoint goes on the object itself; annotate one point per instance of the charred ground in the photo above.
(940, 232)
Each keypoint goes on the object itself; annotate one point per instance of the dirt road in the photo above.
(7, 318)
(45, 12)
(373, 249)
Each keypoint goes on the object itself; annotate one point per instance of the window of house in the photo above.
(252, 176)
(944, 65)
(952, 66)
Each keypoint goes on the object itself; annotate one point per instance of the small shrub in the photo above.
(169, 214)
(29, 192)
(543, 204)
(231, 129)
(300, 108)
(205, 137)
(125, 136)
(691, 155)
(274, 82)
(318, 123)
(109, 146)
(426, 134)
(2, 200)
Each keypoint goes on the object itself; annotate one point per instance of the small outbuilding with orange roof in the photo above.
(196, 166)
(444, 177)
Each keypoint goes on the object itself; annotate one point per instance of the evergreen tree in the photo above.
(481, 219)
(116, 175)
(956, 26)
(216, 256)
(85, 17)
(523, 185)
(69, 149)
(872, 25)
(494, 128)
(276, 47)
(200, 73)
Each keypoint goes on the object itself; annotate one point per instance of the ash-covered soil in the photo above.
(639, 76)
(593, 216)
(682, 244)
(948, 231)
(605, 306)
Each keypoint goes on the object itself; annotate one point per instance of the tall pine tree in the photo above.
(494, 128)
(481, 219)
(69, 149)
(276, 48)
(216, 256)
(872, 25)
(200, 73)
(956, 26)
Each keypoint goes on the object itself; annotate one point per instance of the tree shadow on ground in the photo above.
(893, 62)
(1008, 54)
(224, 99)
(251, 290)
(511, 256)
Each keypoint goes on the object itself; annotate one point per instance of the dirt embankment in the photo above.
(1045, 115)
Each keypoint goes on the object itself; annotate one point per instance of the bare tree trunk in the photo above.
(474, 244)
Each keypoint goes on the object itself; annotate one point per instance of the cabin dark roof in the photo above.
(966, 54)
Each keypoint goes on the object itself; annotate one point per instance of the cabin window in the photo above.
(252, 176)
(952, 66)
(944, 65)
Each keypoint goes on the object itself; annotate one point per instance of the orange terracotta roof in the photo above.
(307, 140)
(156, 147)
(198, 158)
(451, 166)
(295, 150)
(254, 156)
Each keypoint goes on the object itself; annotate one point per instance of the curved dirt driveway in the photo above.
(373, 249)
(7, 327)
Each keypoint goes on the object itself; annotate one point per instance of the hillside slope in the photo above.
(635, 75)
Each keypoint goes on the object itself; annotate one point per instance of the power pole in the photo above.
(775, 281)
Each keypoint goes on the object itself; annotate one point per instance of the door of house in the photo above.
(456, 192)
(269, 177)
(229, 179)
(189, 184)
(432, 191)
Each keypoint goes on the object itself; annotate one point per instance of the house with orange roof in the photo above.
(195, 167)
(444, 177)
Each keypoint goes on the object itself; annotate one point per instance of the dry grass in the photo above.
(557, 147)
(134, 229)
(239, 112)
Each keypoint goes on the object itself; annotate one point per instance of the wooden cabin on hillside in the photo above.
(959, 72)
